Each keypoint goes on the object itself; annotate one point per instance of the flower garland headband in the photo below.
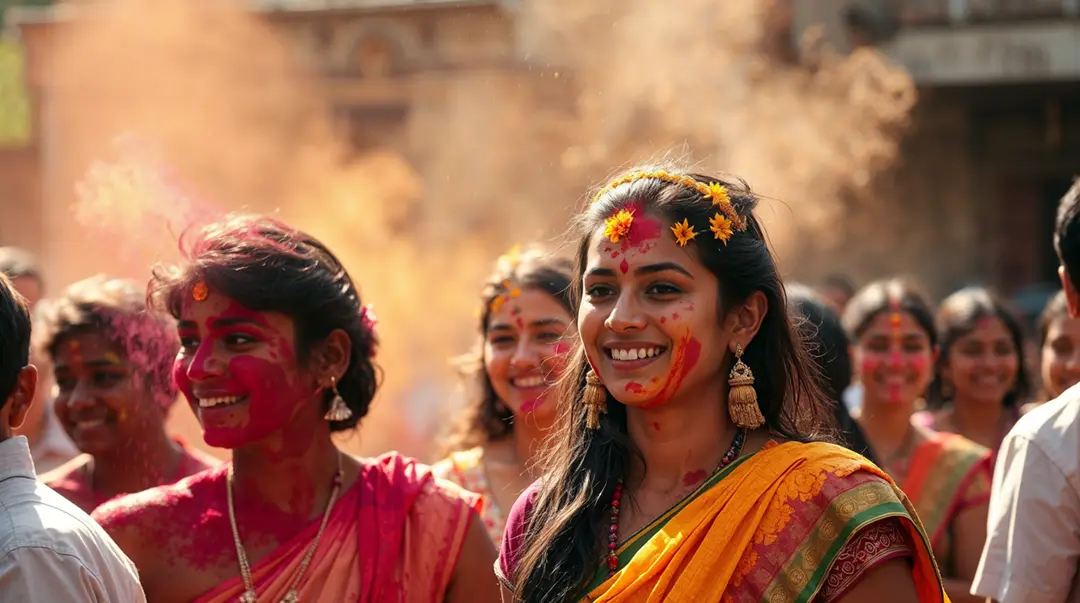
(723, 224)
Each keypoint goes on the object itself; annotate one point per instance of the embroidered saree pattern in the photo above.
(768, 528)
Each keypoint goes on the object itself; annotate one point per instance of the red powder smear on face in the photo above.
(656, 426)
(519, 322)
(675, 316)
(684, 358)
(560, 348)
(643, 231)
(624, 266)
(635, 388)
(663, 319)
(694, 478)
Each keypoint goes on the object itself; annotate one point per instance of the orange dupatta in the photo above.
(697, 552)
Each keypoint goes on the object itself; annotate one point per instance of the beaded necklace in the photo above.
(732, 453)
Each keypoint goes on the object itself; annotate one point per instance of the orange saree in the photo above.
(393, 537)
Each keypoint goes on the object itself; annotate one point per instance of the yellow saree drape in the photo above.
(766, 529)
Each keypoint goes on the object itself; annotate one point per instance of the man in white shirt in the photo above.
(1033, 531)
(50, 550)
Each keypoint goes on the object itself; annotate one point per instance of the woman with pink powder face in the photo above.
(525, 323)
(981, 380)
(113, 363)
(947, 477)
(277, 354)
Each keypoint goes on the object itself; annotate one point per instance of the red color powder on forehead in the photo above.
(644, 231)
(624, 266)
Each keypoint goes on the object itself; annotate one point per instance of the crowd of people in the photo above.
(657, 418)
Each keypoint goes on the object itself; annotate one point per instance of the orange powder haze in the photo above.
(228, 103)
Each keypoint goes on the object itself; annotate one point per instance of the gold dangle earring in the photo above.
(595, 399)
(339, 411)
(742, 398)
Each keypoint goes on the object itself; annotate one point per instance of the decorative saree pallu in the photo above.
(769, 528)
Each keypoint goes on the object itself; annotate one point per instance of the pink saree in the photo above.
(394, 536)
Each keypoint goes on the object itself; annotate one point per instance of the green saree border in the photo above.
(633, 544)
(803, 575)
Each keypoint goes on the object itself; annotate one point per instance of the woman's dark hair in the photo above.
(1056, 309)
(958, 315)
(562, 550)
(887, 296)
(265, 265)
(115, 308)
(484, 419)
(827, 343)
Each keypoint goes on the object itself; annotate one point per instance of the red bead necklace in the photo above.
(732, 453)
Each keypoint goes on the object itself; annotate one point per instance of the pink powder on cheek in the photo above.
(870, 364)
(272, 401)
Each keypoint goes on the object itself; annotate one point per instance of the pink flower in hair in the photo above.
(367, 316)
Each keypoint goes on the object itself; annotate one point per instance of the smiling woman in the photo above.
(112, 362)
(277, 352)
(946, 476)
(684, 465)
(525, 322)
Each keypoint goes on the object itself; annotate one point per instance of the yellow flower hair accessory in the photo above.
(502, 298)
(683, 232)
(618, 226)
(720, 227)
(716, 193)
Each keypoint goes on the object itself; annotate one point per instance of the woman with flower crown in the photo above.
(686, 466)
(276, 354)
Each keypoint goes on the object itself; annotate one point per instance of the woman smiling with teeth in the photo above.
(684, 466)
(526, 314)
(114, 388)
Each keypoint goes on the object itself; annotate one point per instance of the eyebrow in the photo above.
(543, 322)
(221, 322)
(643, 270)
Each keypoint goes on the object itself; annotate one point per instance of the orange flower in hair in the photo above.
(718, 194)
(683, 232)
(721, 227)
(618, 226)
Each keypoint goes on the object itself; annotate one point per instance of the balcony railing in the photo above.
(955, 12)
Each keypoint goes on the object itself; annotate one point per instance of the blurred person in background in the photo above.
(48, 443)
(50, 551)
(112, 362)
(837, 290)
(1059, 351)
(947, 477)
(828, 345)
(980, 373)
(525, 319)
(1032, 549)
(277, 354)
